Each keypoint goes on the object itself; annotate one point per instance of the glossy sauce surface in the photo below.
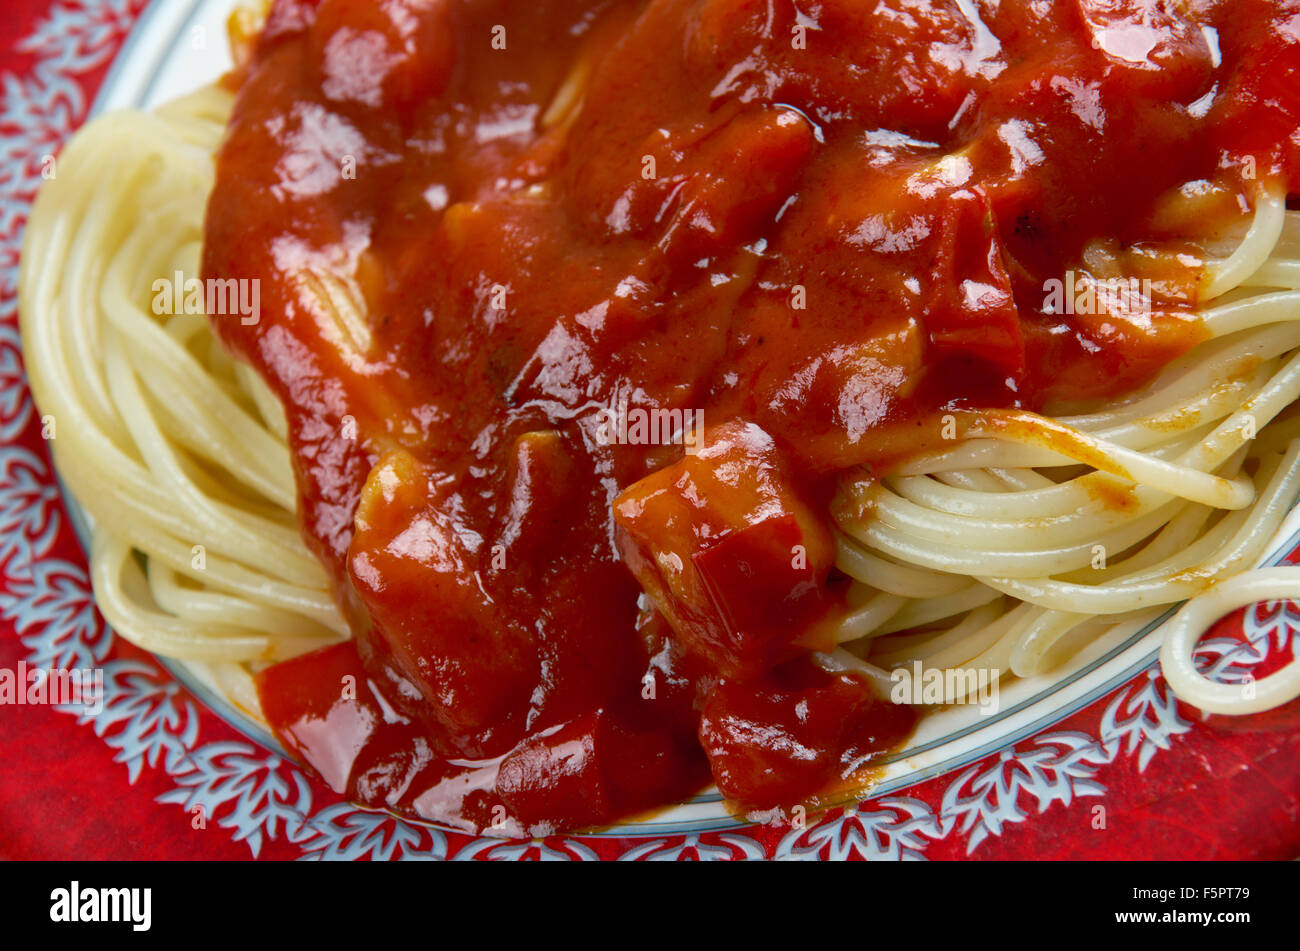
(815, 225)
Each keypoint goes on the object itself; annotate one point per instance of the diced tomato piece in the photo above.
(971, 306)
(1151, 50)
(650, 767)
(733, 557)
(540, 473)
(392, 55)
(418, 572)
(553, 777)
(321, 707)
(755, 579)
(593, 769)
(775, 741)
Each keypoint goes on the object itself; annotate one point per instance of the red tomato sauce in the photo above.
(816, 226)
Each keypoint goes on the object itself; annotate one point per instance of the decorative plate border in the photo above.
(152, 722)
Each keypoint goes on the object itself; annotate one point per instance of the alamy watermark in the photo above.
(77, 904)
(1084, 295)
(214, 297)
(957, 685)
(35, 686)
(638, 426)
